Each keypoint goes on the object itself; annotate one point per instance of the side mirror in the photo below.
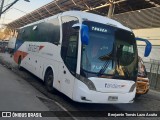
(77, 26)
(148, 47)
(84, 32)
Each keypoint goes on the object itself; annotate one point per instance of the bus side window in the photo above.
(26, 33)
(69, 43)
(49, 31)
(55, 31)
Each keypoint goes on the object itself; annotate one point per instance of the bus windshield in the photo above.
(111, 52)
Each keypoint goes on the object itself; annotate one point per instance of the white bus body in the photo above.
(61, 57)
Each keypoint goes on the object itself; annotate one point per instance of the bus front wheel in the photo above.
(49, 81)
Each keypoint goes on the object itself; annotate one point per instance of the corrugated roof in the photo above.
(94, 6)
(145, 18)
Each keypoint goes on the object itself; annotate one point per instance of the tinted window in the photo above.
(69, 43)
(48, 31)
(24, 33)
(126, 47)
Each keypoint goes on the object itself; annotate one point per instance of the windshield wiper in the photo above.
(105, 66)
(107, 59)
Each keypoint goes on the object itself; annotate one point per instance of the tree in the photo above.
(5, 33)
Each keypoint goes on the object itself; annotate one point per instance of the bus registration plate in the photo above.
(113, 98)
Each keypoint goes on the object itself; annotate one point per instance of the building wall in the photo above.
(153, 35)
(155, 53)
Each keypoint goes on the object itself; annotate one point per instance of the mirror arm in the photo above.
(144, 40)
(148, 46)
(77, 25)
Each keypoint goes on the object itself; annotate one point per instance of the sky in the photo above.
(20, 9)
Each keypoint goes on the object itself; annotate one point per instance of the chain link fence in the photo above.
(153, 69)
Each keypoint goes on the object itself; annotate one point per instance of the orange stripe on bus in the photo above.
(17, 54)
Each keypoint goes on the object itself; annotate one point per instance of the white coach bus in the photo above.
(87, 57)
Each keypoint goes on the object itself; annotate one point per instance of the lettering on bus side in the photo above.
(33, 48)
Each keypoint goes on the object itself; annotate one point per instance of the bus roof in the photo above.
(96, 18)
(88, 16)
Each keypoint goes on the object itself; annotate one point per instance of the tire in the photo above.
(19, 63)
(137, 96)
(49, 81)
(147, 91)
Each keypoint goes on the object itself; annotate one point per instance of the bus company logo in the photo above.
(98, 29)
(34, 48)
(109, 85)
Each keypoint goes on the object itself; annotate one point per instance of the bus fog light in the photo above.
(84, 98)
(87, 82)
(131, 101)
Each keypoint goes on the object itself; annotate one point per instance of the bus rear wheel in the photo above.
(49, 81)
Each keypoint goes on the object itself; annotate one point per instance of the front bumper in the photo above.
(83, 94)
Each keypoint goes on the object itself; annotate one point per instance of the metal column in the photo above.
(2, 3)
(111, 8)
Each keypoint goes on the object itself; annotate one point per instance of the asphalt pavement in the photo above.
(17, 95)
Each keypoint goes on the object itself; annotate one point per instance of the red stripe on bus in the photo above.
(40, 47)
(17, 54)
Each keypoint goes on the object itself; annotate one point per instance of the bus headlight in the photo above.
(87, 82)
(132, 87)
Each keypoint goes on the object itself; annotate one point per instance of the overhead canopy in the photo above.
(96, 6)
(145, 18)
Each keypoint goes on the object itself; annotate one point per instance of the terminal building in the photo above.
(153, 35)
